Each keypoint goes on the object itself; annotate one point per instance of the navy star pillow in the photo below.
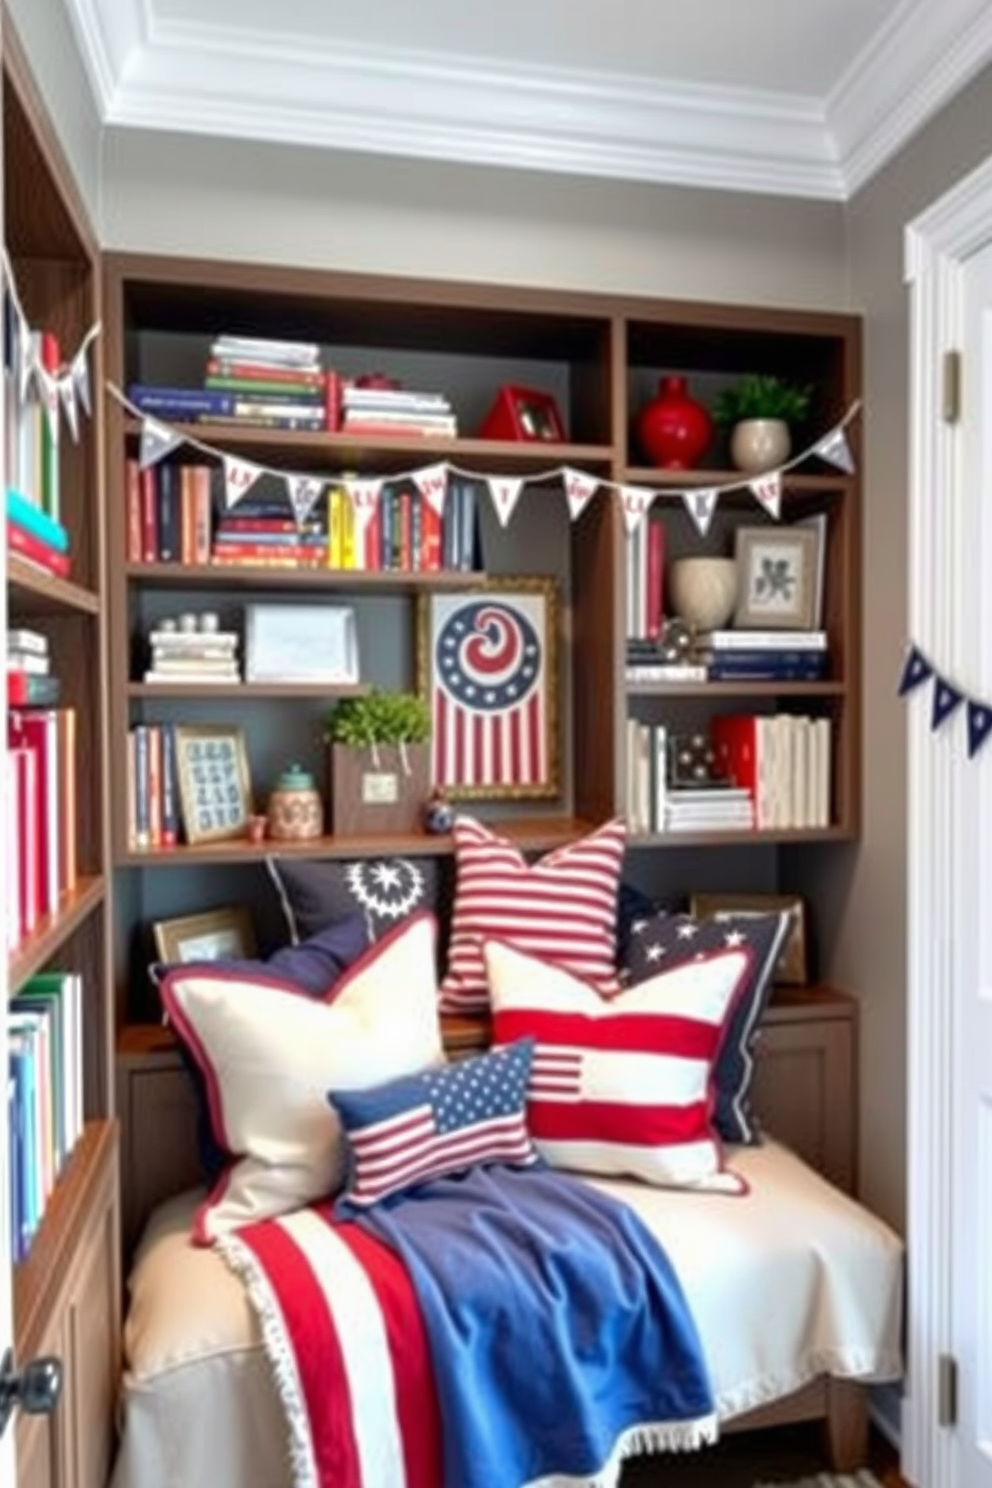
(661, 941)
(384, 891)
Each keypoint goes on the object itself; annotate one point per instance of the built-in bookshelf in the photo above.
(62, 1154)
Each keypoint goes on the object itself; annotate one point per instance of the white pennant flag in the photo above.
(81, 377)
(635, 502)
(364, 496)
(304, 493)
(505, 491)
(49, 390)
(701, 505)
(28, 345)
(579, 491)
(239, 477)
(834, 448)
(157, 441)
(432, 483)
(67, 392)
(768, 491)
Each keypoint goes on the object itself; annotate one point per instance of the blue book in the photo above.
(36, 521)
(180, 402)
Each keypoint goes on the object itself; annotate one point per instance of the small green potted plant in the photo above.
(379, 758)
(759, 412)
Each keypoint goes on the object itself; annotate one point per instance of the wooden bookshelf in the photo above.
(736, 689)
(52, 931)
(33, 592)
(255, 576)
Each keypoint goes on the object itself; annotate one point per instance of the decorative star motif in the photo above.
(734, 938)
(688, 932)
(638, 927)
(654, 952)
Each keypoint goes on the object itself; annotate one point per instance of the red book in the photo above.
(737, 741)
(252, 372)
(37, 729)
(26, 766)
(332, 401)
(132, 503)
(26, 545)
(655, 579)
(149, 515)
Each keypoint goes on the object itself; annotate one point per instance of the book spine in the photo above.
(170, 816)
(26, 545)
(36, 521)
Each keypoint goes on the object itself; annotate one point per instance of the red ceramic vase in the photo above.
(673, 429)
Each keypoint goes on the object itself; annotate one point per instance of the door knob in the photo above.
(35, 1388)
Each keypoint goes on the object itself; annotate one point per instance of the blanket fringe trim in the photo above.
(639, 1441)
(245, 1266)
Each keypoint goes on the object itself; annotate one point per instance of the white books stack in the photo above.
(194, 656)
(717, 808)
(794, 771)
(261, 351)
(399, 410)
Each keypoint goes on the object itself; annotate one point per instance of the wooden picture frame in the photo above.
(213, 780)
(301, 643)
(777, 577)
(791, 969)
(487, 662)
(214, 935)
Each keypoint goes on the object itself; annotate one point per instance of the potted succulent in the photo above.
(759, 412)
(379, 762)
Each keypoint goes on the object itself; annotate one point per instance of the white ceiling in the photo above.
(797, 97)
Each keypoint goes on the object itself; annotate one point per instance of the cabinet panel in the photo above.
(42, 1442)
(93, 1339)
(804, 1089)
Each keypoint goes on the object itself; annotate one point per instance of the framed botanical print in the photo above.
(214, 935)
(214, 786)
(488, 664)
(777, 578)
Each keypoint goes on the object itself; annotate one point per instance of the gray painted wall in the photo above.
(46, 35)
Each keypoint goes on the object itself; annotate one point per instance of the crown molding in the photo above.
(196, 78)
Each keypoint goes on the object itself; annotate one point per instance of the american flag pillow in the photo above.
(621, 1086)
(437, 1123)
(563, 907)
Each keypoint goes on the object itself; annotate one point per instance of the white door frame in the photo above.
(937, 243)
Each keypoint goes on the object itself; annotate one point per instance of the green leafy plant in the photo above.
(760, 395)
(380, 717)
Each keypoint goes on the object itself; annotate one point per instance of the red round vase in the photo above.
(673, 429)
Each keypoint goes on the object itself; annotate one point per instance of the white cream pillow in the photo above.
(269, 1053)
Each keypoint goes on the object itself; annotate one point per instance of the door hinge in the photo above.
(951, 390)
(947, 1390)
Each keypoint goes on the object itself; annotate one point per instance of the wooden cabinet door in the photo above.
(804, 1085)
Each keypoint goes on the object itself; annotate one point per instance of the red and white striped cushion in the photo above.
(563, 907)
(622, 1086)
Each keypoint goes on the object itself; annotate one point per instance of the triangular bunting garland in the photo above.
(364, 496)
(432, 483)
(67, 393)
(946, 699)
(834, 448)
(767, 489)
(157, 441)
(505, 492)
(915, 672)
(27, 359)
(239, 477)
(304, 492)
(81, 378)
(49, 389)
(634, 501)
(700, 505)
(979, 726)
(579, 491)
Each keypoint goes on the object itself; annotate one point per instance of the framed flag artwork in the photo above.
(488, 664)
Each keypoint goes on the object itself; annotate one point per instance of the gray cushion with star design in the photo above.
(663, 941)
(384, 890)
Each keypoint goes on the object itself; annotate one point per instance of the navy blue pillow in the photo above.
(662, 941)
(632, 906)
(314, 966)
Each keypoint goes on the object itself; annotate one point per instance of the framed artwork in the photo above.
(777, 569)
(488, 665)
(215, 934)
(301, 643)
(523, 413)
(791, 967)
(214, 786)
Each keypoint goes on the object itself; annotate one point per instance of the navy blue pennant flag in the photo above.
(916, 670)
(945, 699)
(979, 726)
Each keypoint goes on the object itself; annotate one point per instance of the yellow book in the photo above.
(335, 507)
(349, 556)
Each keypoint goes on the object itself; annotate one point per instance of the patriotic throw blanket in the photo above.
(497, 1329)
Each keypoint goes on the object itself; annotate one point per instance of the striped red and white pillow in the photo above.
(622, 1086)
(563, 907)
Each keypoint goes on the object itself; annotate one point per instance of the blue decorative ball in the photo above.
(439, 816)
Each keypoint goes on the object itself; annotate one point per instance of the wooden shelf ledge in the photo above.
(51, 933)
(742, 688)
(32, 591)
(261, 576)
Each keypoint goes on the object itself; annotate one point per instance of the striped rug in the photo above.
(861, 1479)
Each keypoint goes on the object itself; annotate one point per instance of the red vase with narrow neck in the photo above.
(674, 430)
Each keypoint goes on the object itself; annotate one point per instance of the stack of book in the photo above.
(29, 670)
(783, 761)
(36, 536)
(248, 380)
(374, 411)
(763, 655)
(711, 808)
(262, 530)
(647, 662)
(179, 656)
(41, 807)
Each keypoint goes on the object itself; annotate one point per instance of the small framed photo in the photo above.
(214, 785)
(488, 665)
(524, 413)
(777, 578)
(301, 643)
(217, 934)
(791, 968)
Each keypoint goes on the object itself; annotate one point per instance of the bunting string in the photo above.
(946, 699)
(65, 386)
(159, 438)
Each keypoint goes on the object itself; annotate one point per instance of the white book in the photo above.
(660, 776)
(823, 773)
(764, 640)
(800, 772)
(13, 858)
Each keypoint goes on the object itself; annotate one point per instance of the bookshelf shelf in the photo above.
(38, 1278)
(53, 931)
(792, 480)
(531, 834)
(237, 690)
(34, 592)
(737, 689)
(782, 836)
(256, 576)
